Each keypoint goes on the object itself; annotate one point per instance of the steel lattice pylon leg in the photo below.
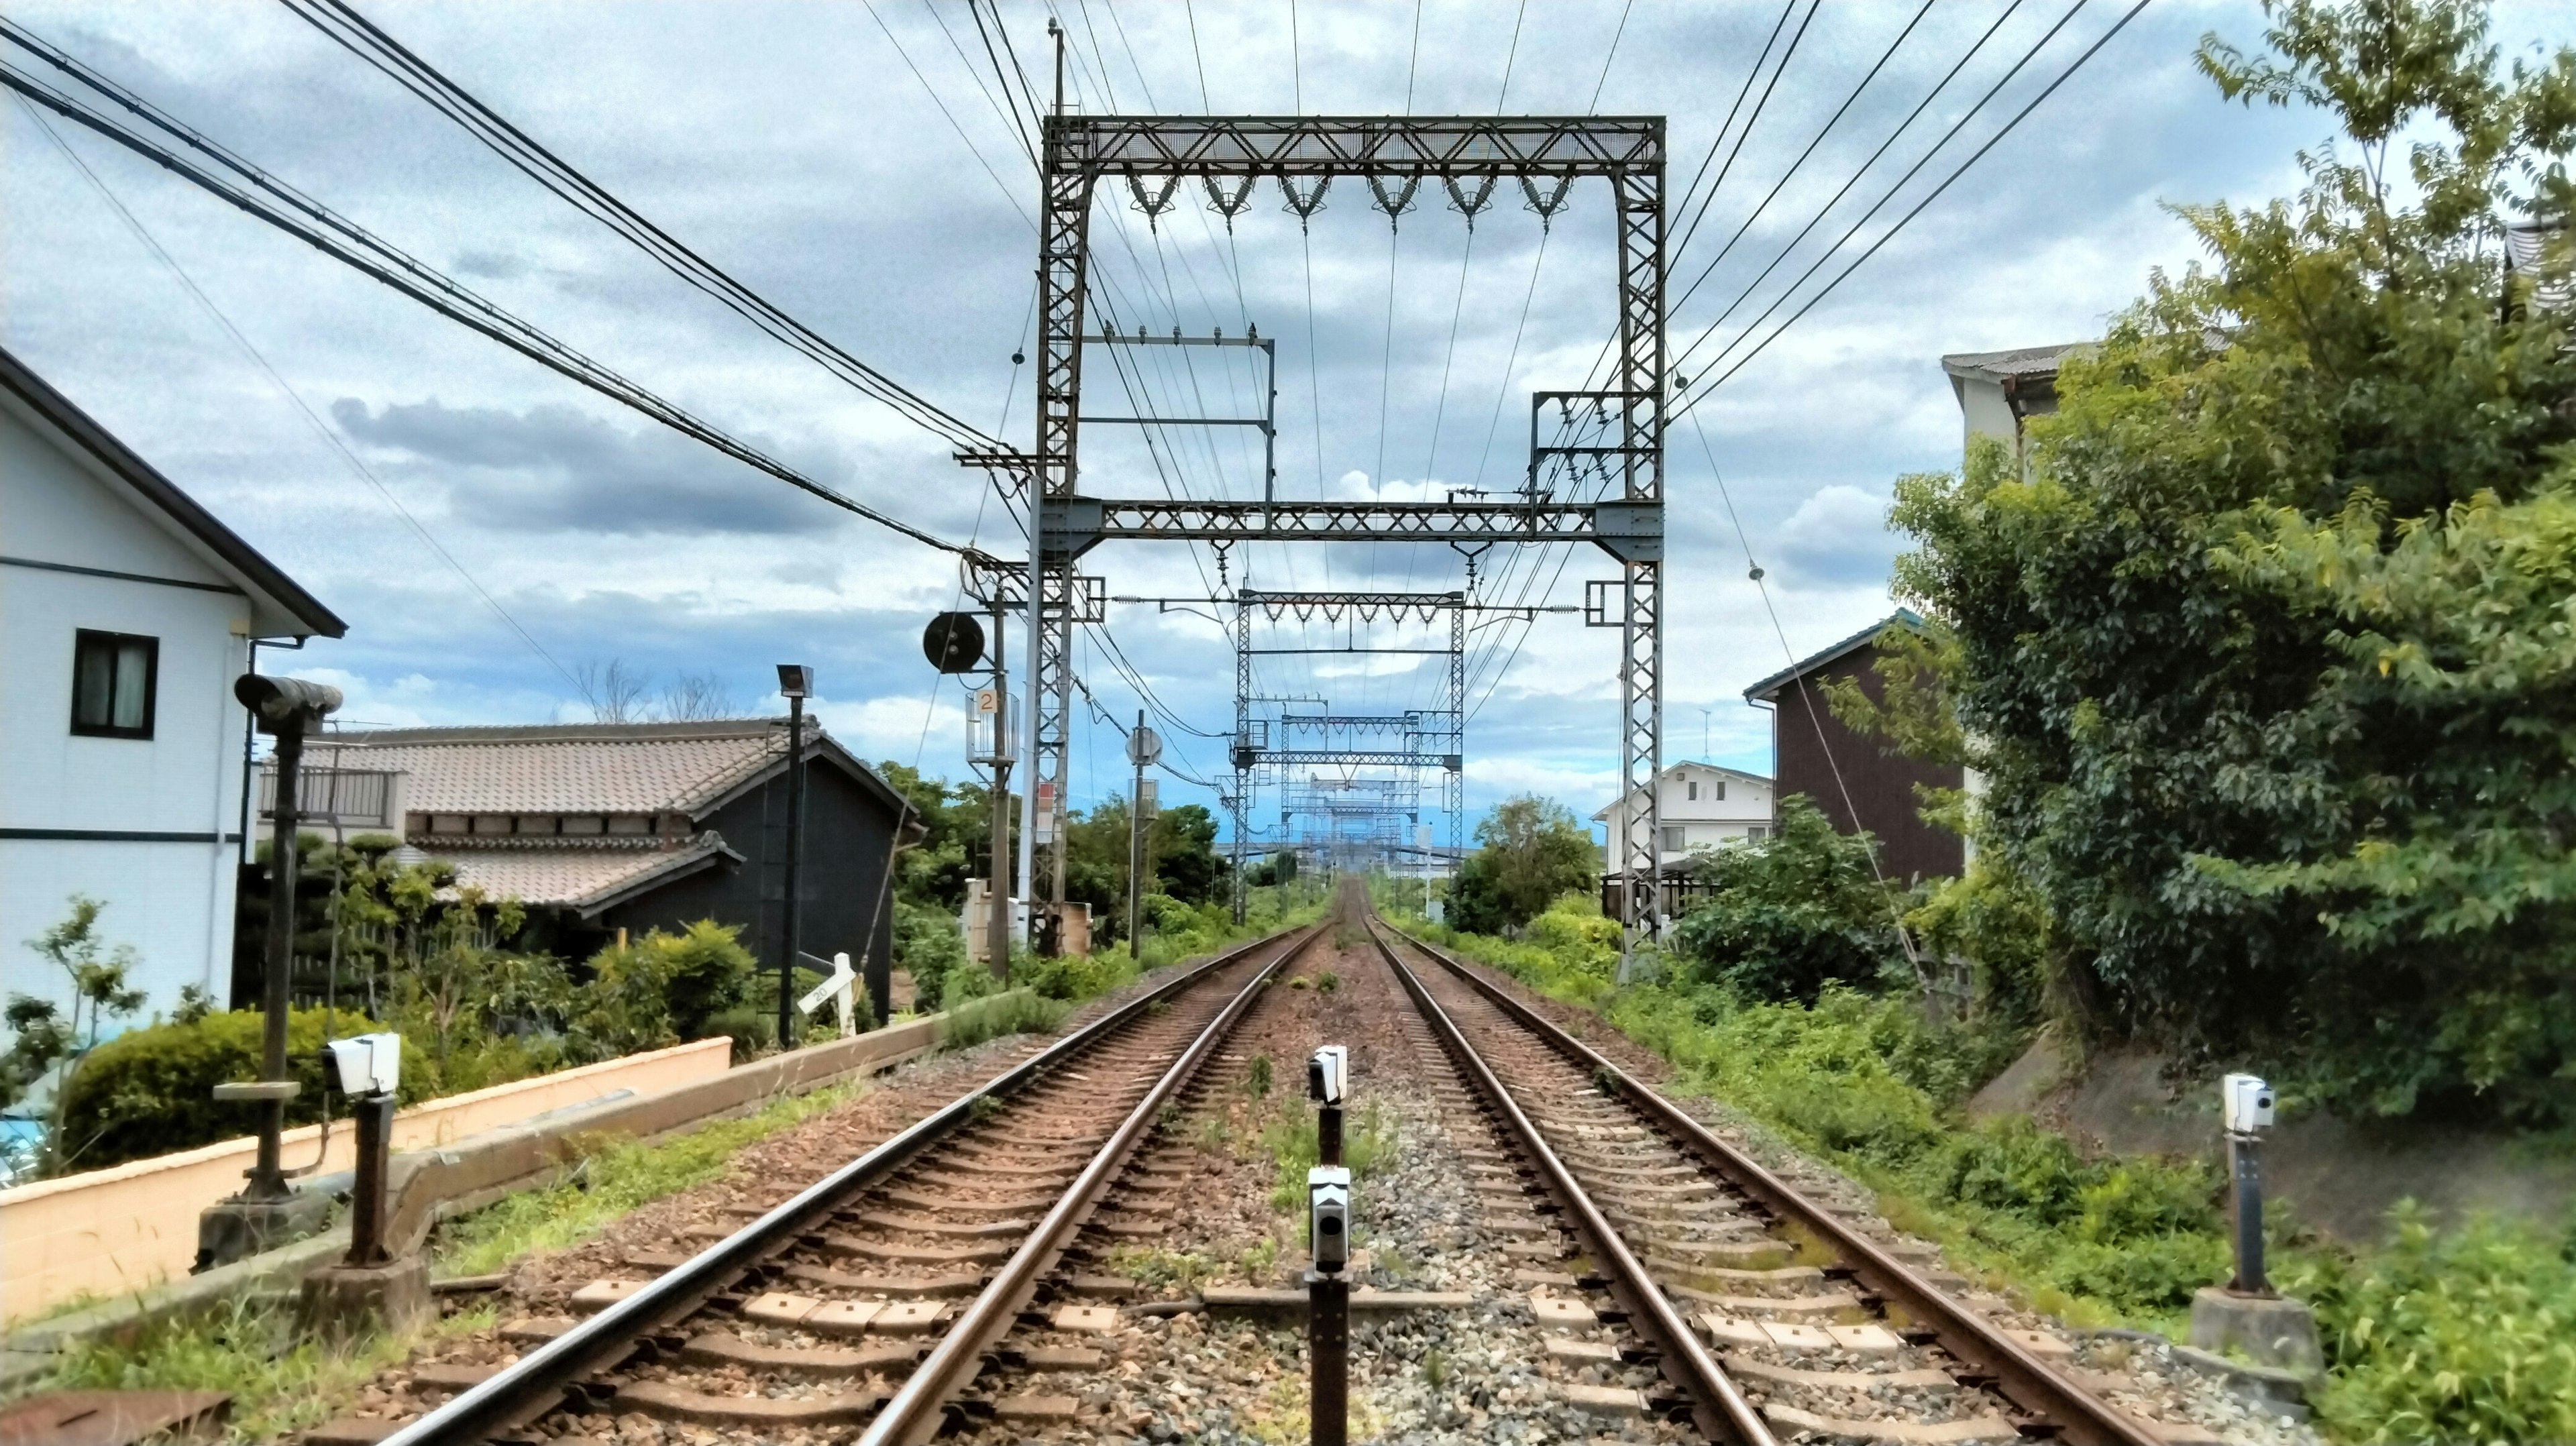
(1641, 633)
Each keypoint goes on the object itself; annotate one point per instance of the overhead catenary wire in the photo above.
(268, 199)
(1863, 169)
(1703, 389)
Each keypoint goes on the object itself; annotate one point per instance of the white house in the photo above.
(1699, 805)
(126, 611)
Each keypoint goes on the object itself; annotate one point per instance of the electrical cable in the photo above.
(1890, 234)
(1803, 156)
(1806, 695)
(340, 22)
(1863, 168)
(298, 215)
(332, 438)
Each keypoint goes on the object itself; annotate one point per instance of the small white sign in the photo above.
(835, 987)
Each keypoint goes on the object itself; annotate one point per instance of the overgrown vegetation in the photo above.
(281, 1381)
(1529, 851)
(2265, 659)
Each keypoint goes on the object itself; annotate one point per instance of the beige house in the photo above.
(1699, 806)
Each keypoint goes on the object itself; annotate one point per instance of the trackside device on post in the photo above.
(1328, 1074)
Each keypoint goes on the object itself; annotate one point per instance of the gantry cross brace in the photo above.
(1227, 156)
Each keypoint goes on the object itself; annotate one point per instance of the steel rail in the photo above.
(2080, 1417)
(538, 1381)
(1718, 1405)
(918, 1410)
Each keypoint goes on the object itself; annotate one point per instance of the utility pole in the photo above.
(1143, 748)
(796, 682)
(998, 941)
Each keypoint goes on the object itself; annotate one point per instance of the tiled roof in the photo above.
(587, 878)
(565, 768)
(2024, 361)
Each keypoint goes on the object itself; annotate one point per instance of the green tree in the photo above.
(1789, 914)
(43, 1035)
(1529, 851)
(2262, 662)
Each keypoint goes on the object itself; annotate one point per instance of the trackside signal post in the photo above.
(268, 1211)
(2247, 1314)
(1328, 1286)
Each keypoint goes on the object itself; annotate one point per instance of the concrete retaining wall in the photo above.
(125, 1228)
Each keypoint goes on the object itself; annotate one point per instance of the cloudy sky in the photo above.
(496, 534)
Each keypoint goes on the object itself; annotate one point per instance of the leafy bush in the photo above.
(927, 945)
(150, 1091)
(2469, 1336)
(664, 989)
(1789, 915)
(969, 1022)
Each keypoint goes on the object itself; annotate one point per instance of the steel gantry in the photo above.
(1156, 157)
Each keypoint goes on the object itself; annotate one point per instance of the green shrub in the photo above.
(970, 1022)
(2469, 1336)
(664, 989)
(1790, 915)
(927, 945)
(150, 1091)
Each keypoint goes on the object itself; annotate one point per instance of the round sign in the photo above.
(1144, 746)
(954, 642)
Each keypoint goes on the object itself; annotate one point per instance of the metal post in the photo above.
(268, 1174)
(375, 1120)
(1328, 1317)
(998, 939)
(2245, 1163)
(1136, 841)
(795, 867)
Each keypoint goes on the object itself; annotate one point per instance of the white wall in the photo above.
(1707, 821)
(171, 900)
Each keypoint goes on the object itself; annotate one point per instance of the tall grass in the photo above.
(280, 1380)
(969, 1022)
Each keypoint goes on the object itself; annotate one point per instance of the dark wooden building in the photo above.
(1876, 787)
(604, 827)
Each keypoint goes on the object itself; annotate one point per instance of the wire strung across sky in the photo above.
(265, 197)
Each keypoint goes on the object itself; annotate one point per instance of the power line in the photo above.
(1890, 233)
(362, 38)
(1803, 156)
(1863, 168)
(367, 474)
(289, 210)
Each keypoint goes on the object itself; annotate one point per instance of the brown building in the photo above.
(1856, 780)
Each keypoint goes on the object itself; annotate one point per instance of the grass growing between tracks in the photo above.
(2459, 1335)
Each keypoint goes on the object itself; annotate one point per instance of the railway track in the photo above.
(1600, 1264)
(1733, 1282)
(873, 1296)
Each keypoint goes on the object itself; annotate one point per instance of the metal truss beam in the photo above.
(1389, 147)
(1625, 529)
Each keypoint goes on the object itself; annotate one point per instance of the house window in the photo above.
(1721, 790)
(113, 678)
(1674, 840)
(1694, 791)
(1756, 834)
